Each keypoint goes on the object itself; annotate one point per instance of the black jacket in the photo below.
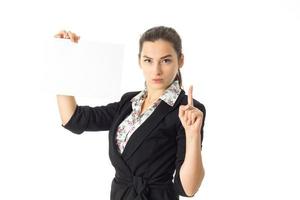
(145, 169)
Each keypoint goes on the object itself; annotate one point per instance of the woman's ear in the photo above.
(139, 62)
(181, 61)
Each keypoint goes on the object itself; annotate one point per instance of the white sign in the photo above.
(86, 68)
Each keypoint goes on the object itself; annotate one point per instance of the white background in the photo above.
(241, 56)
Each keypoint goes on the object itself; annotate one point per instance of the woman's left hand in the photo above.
(190, 116)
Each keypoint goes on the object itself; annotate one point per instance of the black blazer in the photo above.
(145, 169)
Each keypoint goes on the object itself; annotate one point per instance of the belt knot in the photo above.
(140, 185)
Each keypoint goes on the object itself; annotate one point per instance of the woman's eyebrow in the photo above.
(169, 55)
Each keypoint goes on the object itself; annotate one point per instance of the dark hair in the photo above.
(168, 34)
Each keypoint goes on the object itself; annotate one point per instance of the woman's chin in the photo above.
(158, 86)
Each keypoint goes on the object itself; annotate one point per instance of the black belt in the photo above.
(141, 185)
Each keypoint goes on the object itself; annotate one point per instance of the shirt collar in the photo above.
(169, 96)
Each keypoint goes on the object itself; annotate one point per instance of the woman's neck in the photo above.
(153, 95)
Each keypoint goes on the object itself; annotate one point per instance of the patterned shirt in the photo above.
(134, 120)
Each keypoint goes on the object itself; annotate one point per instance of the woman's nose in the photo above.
(157, 68)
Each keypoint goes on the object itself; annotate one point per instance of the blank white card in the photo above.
(86, 68)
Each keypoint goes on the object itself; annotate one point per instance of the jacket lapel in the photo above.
(113, 151)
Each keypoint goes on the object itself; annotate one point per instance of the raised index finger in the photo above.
(190, 96)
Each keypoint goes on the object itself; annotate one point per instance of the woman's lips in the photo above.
(157, 80)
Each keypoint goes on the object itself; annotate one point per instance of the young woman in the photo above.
(152, 132)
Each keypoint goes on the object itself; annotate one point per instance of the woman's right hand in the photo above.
(67, 35)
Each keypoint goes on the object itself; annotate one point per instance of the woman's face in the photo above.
(159, 63)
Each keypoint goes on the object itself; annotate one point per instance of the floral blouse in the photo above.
(134, 120)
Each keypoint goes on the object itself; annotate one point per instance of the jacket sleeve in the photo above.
(180, 155)
(87, 118)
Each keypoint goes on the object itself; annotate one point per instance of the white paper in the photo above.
(86, 68)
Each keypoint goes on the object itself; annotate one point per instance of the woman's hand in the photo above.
(190, 116)
(67, 35)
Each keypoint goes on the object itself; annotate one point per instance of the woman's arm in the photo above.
(66, 104)
(66, 107)
(192, 171)
(189, 141)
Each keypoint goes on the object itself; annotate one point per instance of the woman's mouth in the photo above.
(157, 80)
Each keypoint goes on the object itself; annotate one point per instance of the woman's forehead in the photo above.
(158, 48)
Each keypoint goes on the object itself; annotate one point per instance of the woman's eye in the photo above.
(146, 60)
(167, 60)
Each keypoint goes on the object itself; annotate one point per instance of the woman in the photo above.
(151, 132)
